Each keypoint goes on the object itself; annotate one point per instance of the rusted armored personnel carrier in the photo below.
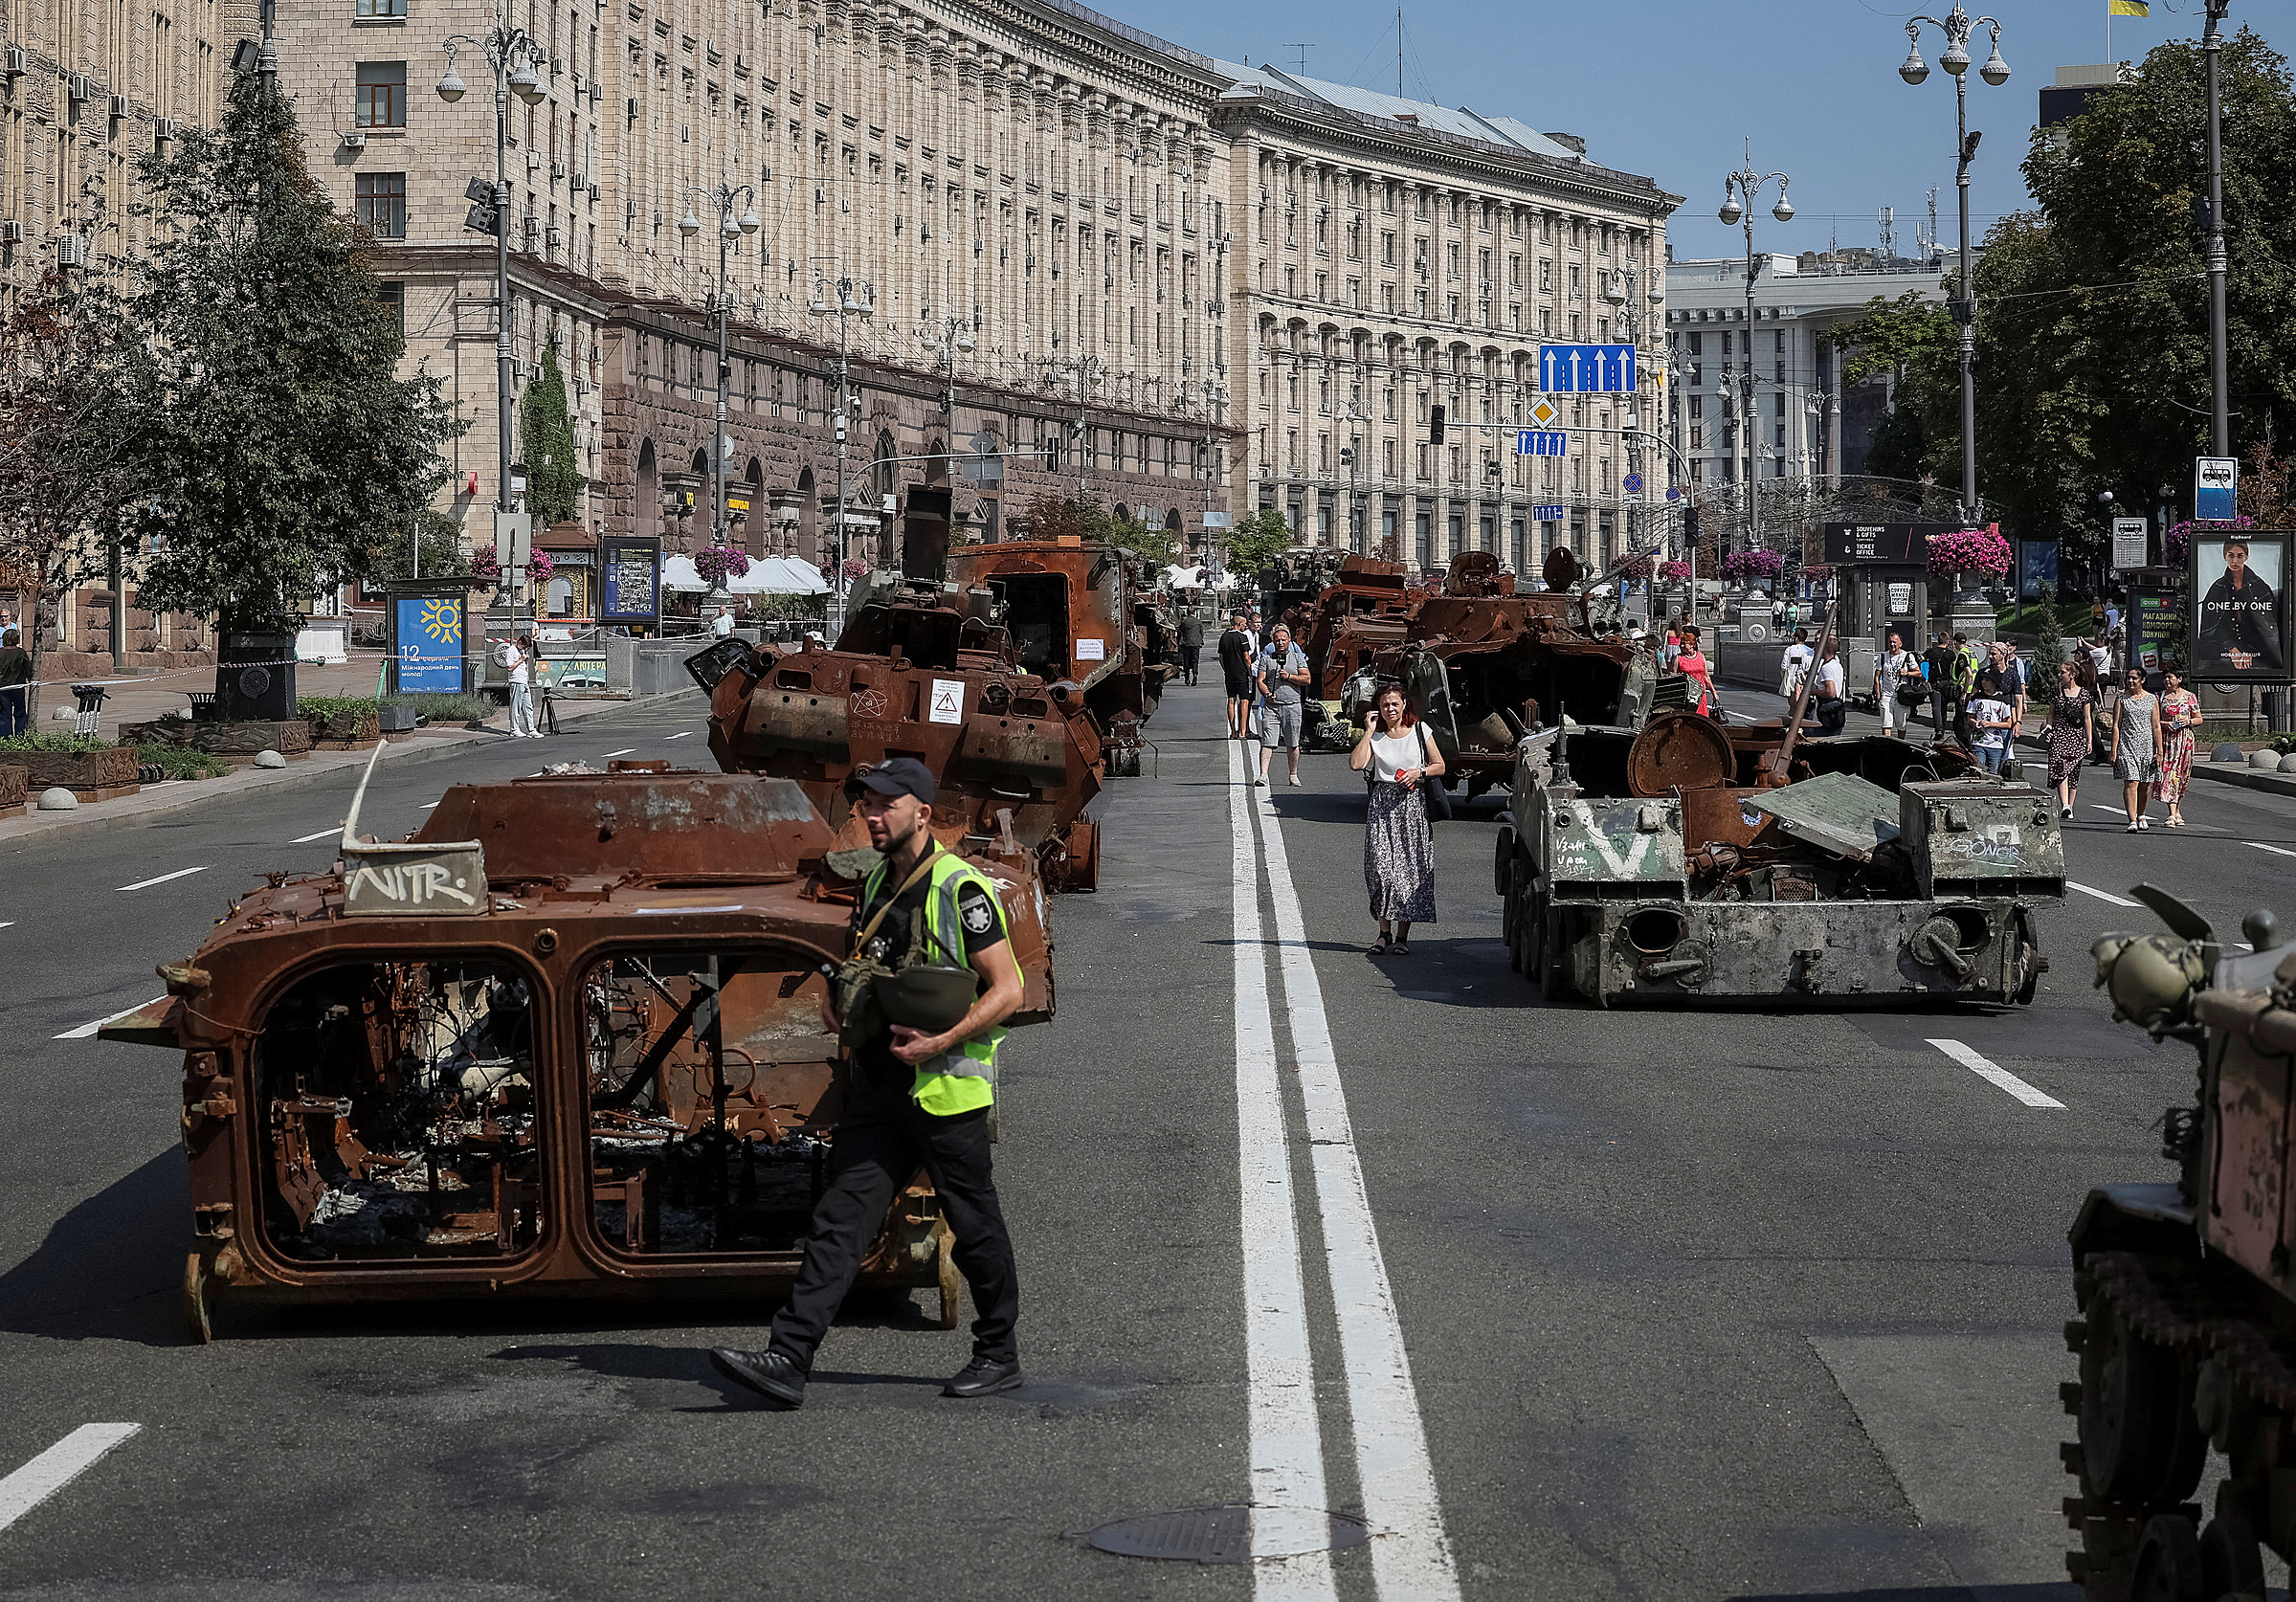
(1364, 611)
(2186, 1290)
(564, 1042)
(1670, 859)
(1081, 618)
(924, 668)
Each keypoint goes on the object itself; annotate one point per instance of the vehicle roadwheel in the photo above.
(2168, 1563)
(952, 1283)
(2139, 1443)
(1503, 859)
(2232, 1567)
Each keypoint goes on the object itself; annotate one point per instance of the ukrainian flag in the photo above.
(2127, 7)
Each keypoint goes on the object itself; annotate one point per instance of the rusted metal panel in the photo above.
(1839, 812)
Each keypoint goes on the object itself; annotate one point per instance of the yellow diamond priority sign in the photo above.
(1543, 412)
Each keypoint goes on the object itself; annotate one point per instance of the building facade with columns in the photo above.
(1392, 256)
(1037, 171)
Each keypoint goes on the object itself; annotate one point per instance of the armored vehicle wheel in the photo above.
(199, 1316)
(1503, 859)
(952, 1283)
(2231, 1565)
(2168, 1563)
(2139, 1441)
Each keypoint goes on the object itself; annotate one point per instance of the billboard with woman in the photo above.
(2239, 620)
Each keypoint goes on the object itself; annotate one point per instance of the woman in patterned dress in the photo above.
(2136, 746)
(2070, 733)
(1398, 852)
(2179, 716)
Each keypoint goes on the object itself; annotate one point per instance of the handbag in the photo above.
(1913, 690)
(1431, 787)
(859, 1011)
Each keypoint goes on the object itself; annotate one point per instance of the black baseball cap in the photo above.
(899, 776)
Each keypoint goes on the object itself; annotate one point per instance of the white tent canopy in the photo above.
(768, 576)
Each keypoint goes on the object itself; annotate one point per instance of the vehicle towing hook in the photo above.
(1690, 971)
(1936, 945)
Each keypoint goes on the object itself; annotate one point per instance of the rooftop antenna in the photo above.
(1927, 239)
(1303, 50)
(1398, 52)
(1889, 236)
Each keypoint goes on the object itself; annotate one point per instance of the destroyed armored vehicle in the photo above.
(2185, 1287)
(565, 1040)
(1364, 610)
(1682, 862)
(924, 668)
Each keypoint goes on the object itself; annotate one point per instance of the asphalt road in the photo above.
(1563, 1303)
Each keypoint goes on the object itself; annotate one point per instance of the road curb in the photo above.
(198, 794)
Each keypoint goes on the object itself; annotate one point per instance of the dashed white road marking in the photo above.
(2277, 851)
(426, 806)
(88, 1030)
(624, 752)
(1998, 1076)
(179, 873)
(2101, 895)
(324, 833)
(57, 1467)
(682, 734)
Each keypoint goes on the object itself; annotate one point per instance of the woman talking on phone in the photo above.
(1398, 852)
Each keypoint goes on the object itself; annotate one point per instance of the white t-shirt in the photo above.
(1798, 658)
(722, 625)
(1389, 756)
(522, 667)
(2101, 659)
(1829, 677)
(1981, 712)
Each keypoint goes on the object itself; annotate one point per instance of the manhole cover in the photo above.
(1217, 1535)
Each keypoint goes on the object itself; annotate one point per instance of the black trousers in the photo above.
(1188, 656)
(869, 1164)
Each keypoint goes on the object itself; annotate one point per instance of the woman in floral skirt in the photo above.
(1399, 758)
(2179, 717)
(2071, 731)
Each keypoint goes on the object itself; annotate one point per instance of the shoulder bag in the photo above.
(1431, 787)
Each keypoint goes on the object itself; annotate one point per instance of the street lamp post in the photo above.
(731, 228)
(2211, 49)
(846, 298)
(512, 55)
(1957, 26)
(1738, 192)
(948, 339)
(1087, 370)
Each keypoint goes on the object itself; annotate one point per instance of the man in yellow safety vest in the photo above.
(910, 1097)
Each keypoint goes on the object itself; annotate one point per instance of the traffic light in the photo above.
(1434, 425)
(1690, 530)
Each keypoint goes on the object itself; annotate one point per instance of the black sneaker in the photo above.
(984, 1377)
(768, 1373)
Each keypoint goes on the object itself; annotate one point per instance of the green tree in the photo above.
(68, 365)
(1257, 540)
(277, 442)
(440, 538)
(547, 436)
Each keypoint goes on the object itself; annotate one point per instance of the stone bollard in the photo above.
(270, 758)
(2265, 762)
(2227, 750)
(57, 800)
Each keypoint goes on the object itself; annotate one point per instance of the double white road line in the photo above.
(1411, 1555)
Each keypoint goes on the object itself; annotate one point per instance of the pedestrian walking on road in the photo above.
(909, 1098)
(1282, 672)
(1990, 722)
(2179, 718)
(1691, 663)
(2070, 733)
(1797, 662)
(1397, 759)
(521, 689)
(722, 625)
(1830, 693)
(1191, 644)
(1937, 663)
(1236, 667)
(2136, 746)
(16, 684)
(1896, 668)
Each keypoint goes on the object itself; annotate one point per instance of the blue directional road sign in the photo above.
(1540, 442)
(1546, 514)
(1608, 369)
(1634, 483)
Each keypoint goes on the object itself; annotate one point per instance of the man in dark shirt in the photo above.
(16, 684)
(1192, 642)
(1236, 667)
(909, 1098)
(1945, 699)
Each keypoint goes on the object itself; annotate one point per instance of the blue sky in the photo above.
(1672, 89)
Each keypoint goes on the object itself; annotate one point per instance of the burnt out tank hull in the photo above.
(566, 1042)
(2184, 1286)
(1078, 614)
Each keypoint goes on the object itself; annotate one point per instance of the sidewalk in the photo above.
(147, 696)
(174, 795)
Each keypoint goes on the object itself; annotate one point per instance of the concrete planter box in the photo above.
(101, 774)
(236, 742)
(16, 789)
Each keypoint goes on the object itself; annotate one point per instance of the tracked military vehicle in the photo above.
(2186, 1290)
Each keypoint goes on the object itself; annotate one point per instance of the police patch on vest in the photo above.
(978, 918)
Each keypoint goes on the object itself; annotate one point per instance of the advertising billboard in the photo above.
(427, 627)
(630, 579)
(2240, 608)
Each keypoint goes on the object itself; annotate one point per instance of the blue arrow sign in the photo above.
(1546, 514)
(1574, 369)
(1540, 442)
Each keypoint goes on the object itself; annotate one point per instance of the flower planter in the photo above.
(103, 773)
(233, 742)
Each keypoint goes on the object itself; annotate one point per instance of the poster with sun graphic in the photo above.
(429, 641)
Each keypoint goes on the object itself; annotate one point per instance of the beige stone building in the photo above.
(1394, 256)
(1043, 173)
(87, 88)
